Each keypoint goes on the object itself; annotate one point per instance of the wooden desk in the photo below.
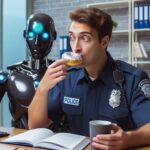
(14, 131)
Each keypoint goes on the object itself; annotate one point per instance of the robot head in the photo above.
(40, 34)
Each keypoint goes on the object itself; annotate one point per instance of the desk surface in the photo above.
(14, 131)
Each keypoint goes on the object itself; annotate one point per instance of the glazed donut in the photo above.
(73, 59)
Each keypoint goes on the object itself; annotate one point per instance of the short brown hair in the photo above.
(95, 18)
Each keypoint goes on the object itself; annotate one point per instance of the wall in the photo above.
(14, 47)
(59, 10)
(0, 34)
(0, 51)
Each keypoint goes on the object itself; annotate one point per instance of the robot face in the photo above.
(40, 34)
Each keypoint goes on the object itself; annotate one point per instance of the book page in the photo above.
(31, 137)
(64, 140)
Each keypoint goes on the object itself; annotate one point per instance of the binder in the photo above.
(149, 14)
(64, 44)
(136, 16)
(146, 21)
(141, 15)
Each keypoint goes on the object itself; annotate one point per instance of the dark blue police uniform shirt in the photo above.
(82, 99)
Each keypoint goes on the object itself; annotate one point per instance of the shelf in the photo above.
(141, 30)
(120, 32)
(114, 4)
(127, 33)
(141, 62)
(138, 1)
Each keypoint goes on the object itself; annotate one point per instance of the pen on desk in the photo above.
(16, 148)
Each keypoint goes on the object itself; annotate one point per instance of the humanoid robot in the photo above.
(23, 78)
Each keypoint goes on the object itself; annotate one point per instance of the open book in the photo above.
(45, 138)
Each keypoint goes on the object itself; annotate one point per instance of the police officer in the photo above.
(101, 88)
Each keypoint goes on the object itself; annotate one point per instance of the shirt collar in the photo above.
(83, 74)
(106, 75)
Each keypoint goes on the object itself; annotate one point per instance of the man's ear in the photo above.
(105, 41)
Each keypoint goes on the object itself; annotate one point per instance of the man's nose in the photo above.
(76, 47)
(37, 41)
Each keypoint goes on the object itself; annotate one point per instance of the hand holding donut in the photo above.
(55, 73)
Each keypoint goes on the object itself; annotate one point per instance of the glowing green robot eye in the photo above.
(45, 35)
(37, 27)
(31, 34)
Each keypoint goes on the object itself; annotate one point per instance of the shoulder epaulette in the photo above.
(128, 68)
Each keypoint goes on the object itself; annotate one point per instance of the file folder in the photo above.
(136, 16)
(149, 14)
(64, 44)
(146, 22)
(141, 15)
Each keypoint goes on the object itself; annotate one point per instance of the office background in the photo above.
(60, 9)
(13, 16)
(13, 47)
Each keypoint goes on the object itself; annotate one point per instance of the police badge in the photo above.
(114, 100)
(145, 87)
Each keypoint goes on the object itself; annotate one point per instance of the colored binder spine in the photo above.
(149, 14)
(136, 16)
(146, 22)
(141, 15)
(64, 44)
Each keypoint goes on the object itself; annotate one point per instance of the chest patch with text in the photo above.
(71, 101)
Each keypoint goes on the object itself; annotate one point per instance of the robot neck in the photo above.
(39, 64)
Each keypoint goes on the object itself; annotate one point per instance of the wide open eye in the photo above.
(31, 35)
(85, 38)
(45, 35)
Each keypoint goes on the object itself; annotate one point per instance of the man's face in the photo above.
(84, 41)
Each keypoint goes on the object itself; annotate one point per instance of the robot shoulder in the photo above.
(131, 70)
(3, 77)
(15, 66)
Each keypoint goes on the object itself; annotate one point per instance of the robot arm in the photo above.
(3, 83)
